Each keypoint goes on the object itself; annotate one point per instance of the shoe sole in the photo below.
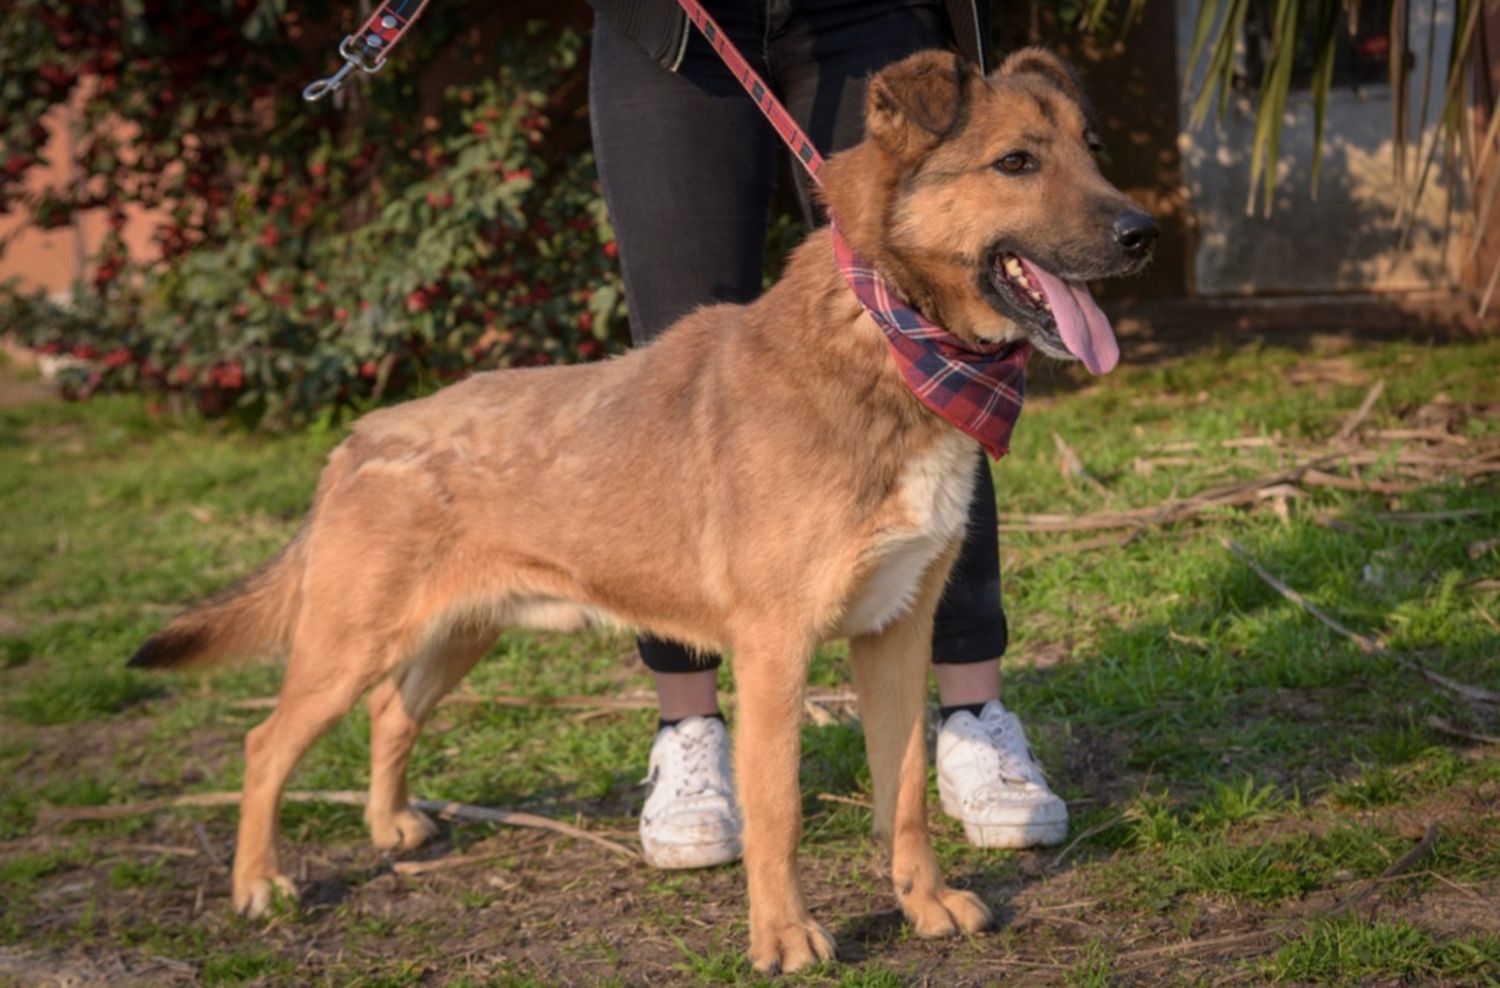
(682, 857)
(1037, 833)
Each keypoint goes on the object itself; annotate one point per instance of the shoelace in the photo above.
(697, 771)
(1016, 762)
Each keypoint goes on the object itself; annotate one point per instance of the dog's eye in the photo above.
(1016, 163)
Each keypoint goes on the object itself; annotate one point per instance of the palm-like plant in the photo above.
(1310, 29)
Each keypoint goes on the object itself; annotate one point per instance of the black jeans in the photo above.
(688, 167)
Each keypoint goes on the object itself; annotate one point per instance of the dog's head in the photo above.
(980, 197)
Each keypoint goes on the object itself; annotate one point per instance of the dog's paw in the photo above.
(789, 947)
(946, 913)
(254, 897)
(404, 830)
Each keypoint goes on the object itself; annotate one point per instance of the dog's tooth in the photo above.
(1013, 267)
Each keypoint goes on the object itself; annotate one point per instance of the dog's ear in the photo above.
(1055, 71)
(913, 104)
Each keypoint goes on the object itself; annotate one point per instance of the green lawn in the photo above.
(1240, 776)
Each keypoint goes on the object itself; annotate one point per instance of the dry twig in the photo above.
(1400, 866)
(604, 704)
(1353, 422)
(445, 809)
(1072, 465)
(829, 797)
(1448, 727)
(1366, 644)
(1092, 831)
(444, 864)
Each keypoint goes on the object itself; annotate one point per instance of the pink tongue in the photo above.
(1083, 326)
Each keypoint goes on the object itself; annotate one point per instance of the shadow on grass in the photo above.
(1225, 744)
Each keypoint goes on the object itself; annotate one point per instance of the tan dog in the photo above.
(769, 482)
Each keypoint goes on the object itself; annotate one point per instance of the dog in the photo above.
(774, 485)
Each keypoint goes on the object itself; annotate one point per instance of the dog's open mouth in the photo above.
(1061, 317)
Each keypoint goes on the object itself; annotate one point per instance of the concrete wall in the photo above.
(1344, 237)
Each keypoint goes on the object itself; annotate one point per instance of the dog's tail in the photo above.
(254, 614)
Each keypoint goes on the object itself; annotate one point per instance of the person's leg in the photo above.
(687, 168)
(969, 633)
(822, 53)
(988, 777)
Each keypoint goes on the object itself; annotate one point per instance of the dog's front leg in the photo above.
(770, 672)
(890, 677)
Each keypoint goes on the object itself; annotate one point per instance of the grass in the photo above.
(1353, 952)
(1233, 766)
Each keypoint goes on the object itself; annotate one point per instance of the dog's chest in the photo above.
(933, 495)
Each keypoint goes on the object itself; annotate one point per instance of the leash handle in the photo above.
(368, 48)
(781, 121)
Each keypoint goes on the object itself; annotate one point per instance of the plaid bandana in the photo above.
(977, 387)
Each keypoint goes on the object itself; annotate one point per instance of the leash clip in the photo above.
(353, 59)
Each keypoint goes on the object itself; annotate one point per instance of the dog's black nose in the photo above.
(1136, 233)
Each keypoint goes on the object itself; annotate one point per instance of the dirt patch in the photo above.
(16, 393)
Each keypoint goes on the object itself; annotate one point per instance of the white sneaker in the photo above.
(990, 782)
(690, 819)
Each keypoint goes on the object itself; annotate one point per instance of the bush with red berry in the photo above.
(444, 216)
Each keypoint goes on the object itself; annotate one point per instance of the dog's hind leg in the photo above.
(770, 672)
(398, 708)
(326, 674)
(890, 677)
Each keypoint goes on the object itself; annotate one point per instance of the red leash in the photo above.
(369, 47)
(780, 120)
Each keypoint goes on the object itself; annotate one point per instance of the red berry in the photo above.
(229, 375)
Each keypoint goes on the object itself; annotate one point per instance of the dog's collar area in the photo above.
(976, 387)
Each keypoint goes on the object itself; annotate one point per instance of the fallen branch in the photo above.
(1109, 824)
(1448, 727)
(829, 797)
(1321, 478)
(445, 809)
(1401, 865)
(512, 818)
(1366, 644)
(444, 864)
(1421, 517)
(1402, 470)
(1072, 465)
(1428, 435)
(1353, 422)
(574, 702)
(642, 702)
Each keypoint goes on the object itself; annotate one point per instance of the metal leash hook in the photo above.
(353, 59)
